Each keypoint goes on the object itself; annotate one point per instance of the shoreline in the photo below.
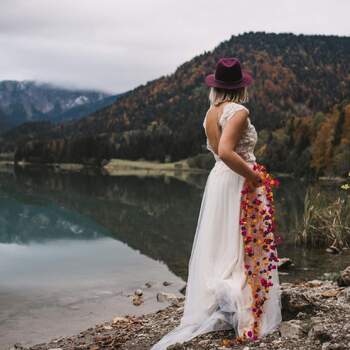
(125, 167)
(316, 314)
(114, 166)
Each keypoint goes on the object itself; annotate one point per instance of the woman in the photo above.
(233, 280)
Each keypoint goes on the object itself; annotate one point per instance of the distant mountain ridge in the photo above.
(296, 76)
(27, 101)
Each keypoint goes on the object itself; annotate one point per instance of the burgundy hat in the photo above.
(229, 75)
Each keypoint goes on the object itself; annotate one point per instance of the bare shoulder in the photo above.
(216, 110)
(240, 115)
(212, 110)
(244, 108)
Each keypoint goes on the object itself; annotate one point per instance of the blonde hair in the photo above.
(219, 95)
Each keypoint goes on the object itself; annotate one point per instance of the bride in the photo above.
(233, 280)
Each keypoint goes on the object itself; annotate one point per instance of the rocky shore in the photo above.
(316, 315)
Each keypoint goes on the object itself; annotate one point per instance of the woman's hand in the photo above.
(255, 181)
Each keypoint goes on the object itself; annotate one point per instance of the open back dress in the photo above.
(233, 280)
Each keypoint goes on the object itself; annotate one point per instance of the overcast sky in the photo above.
(115, 45)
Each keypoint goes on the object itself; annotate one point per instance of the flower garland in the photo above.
(257, 226)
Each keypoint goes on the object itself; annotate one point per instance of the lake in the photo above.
(75, 246)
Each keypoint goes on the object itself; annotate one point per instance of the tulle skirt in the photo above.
(233, 280)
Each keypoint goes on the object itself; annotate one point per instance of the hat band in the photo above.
(229, 82)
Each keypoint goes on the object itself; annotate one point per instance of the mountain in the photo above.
(25, 101)
(85, 109)
(296, 76)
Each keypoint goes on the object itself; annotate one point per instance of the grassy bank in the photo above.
(326, 222)
(121, 165)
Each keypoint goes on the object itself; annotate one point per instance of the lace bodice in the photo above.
(246, 144)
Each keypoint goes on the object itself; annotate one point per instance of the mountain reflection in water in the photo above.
(154, 215)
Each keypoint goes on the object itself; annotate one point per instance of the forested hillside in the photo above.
(316, 144)
(299, 80)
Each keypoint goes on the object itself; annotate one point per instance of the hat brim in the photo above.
(247, 79)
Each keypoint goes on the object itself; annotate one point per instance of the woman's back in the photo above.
(216, 120)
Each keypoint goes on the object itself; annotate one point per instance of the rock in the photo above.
(344, 278)
(137, 300)
(94, 347)
(204, 342)
(284, 263)
(139, 292)
(292, 329)
(119, 319)
(294, 302)
(104, 162)
(17, 346)
(148, 284)
(346, 294)
(169, 297)
(331, 293)
(301, 315)
(333, 250)
(334, 346)
(319, 332)
(314, 283)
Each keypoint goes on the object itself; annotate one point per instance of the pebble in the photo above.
(120, 319)
(333, 250)
(314, 283)
(284, 263)
(137, 300)
(292, 329)
(139, 292)
(319, 332)
(301, 315)
(344, 279)
(169, 297)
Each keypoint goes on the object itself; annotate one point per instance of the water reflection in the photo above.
(154, 215)
(59, 262)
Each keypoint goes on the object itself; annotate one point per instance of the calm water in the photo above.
(74, 247)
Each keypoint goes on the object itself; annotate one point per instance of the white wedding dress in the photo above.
(220, 294)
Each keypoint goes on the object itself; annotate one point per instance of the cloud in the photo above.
(116, 45)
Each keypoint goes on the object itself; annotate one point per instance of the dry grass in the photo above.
(325, 222)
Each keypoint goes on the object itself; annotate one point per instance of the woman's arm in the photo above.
(231, 134)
